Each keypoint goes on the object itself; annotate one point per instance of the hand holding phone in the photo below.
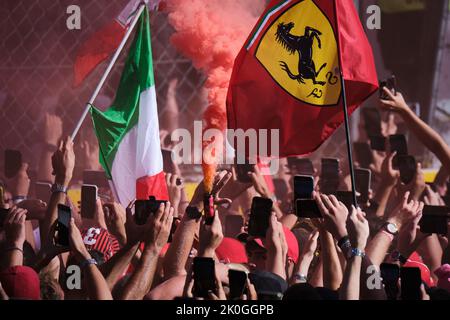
(259, 220)
(242, 171)
(329, 178)
(144, 208)
(362, 181)
(89, 195)
(407, 167)
(238, 281)
(307, 208)
(303, 187)
(434, 220)
(61, 236)
(204, 276)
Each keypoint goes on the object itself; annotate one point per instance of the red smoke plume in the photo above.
(211, 33)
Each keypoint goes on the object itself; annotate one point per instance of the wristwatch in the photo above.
(344, 243)
(87, 262)
(355, 252)
(58, 188)
(301, 278)
(391, 228)
(193, 213)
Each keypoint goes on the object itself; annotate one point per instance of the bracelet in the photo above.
(88, 262)
(355, 252)
(301, 278)
(56, 188)
(18, 199)
(13, 249)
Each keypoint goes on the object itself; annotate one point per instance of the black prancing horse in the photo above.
(302, 45)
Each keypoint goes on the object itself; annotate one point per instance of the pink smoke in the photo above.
(211, 33)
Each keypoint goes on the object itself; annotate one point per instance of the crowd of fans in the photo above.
(348, 253)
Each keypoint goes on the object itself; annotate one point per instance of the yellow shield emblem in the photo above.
(300, 52)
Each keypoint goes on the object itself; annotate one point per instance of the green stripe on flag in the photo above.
(137, 76)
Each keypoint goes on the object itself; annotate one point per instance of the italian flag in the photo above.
(128, 132)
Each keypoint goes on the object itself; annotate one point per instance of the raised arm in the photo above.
(15, 237)
(430, 138)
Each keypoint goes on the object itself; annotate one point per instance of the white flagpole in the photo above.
(108, 70)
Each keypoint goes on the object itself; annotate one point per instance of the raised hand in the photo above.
(63, 162)
(358, 228)
(35, 208)
(210, 237)
(334, 215)
(410, 237)
(115, 218)
(404, 211)
(14, 226)
(158, 227)
(395, 103)
(174, 190)
(76, 243)
(19, 185)
(220, 180)
(53, 129)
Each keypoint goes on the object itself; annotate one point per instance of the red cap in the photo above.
(415, 261)
(293, 249)
(21, 282)
(231, 251)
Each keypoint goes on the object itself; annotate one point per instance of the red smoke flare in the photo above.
(211, 33)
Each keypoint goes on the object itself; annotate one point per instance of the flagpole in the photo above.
(345, 109)
(108, 71)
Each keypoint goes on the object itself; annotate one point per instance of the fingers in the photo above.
(323, 209)
(225, 176)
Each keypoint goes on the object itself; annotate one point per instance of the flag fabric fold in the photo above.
(287, 75)
(128, 132)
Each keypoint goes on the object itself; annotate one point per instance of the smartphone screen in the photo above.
(407, 168)
(372, 121)
(378, 143)
(307, 208)
(13, 162)
(144, 208)
(362, 183)
(233, 225)
(238, 281)
(346, 197)
(434, 220)
(89, 195)
(204, 276)
(300, 166)
(303, 187)
(43, 190)
(410, 283)
(3, 214)
(329, 178)
(363, 154)
(62, 227)
(242, 171)
(398, 144)
(260, 213)
(390, 273)
(208, 205)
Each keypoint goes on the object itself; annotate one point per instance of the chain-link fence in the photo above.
(37, 52)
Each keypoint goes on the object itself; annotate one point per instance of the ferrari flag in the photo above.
(287, 75)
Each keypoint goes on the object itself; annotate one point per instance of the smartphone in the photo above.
(398, 144)
(94, 177)
(362, 183)
(303, 187)
(89, 195)
(260, 213)
(391, 84)
(390, 273)
(407, 168)
(204, 276)
(3, 214)
(233, 225)
(363, 154)
(329, 178)
(281, 188)
(378, 143)
(13, 162)
(208, 205)
(346, 197)
(144, 208)
(410, 283)
(242, 171)
(372, 121)
(300, 166)
(238, 281)
(434, 219)
(42, 190)
(62, 226)
(307, 208)
(168, 164)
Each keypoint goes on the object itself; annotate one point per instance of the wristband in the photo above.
(56, 188)
(18, 199)
(301, 278)
(355, 252)
(344, 243)
(87, 262)
(13, 249)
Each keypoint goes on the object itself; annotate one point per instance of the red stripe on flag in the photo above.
(152, 186)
